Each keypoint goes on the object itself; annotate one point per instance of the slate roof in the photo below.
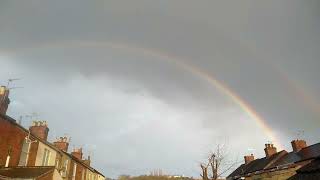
(309, 152)
(239, 171)
(281, 159)
(257, 165)
(311, 167)
(310, 171)
(26, 172)
(265, 162)
(289, 158)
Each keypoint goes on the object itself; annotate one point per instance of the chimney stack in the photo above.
(270, 150)
(39, 129)
(297, 145)
(77, 153)
(4, 99)
(87, 161)
(62, 143)
(248, 159)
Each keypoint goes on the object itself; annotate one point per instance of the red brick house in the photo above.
(21, 149)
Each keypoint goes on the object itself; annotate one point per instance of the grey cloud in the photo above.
(266, 52)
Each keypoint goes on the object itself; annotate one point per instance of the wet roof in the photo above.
(309, 171)
(257, 165)
(277, 160)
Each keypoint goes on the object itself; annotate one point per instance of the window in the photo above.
(58, 164)
(82, 178)
(74, 171)
(24, 153)
(65, 168)
(46, 157)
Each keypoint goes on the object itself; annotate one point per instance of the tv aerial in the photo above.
(10, 81)
(300, 134)
(8, 88)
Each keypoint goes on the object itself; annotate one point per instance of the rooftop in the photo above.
(280, 159)
(14, 122)
(309, 171)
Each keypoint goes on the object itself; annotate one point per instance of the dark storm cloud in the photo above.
(135, 103)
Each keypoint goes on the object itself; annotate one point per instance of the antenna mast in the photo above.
(12, 80)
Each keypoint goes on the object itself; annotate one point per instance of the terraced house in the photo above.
(302, 161)
(26, 153)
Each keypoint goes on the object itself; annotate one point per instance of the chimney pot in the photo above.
(270, 150)
(39, 129)
(297, 145)
(87, 161)
(77, 153)
(248, 159)
(62, 143)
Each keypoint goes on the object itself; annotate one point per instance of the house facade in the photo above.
(22, 148)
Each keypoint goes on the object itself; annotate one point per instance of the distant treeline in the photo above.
(145, 177)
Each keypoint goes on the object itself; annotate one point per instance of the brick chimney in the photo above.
(77, 153)
(4, 99)
(62, 143)
(248, 159)
(270, 150)
(87, 161)
(297, 145)
(39, 129)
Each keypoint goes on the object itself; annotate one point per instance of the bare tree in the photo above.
(204, 174)
(216, 164)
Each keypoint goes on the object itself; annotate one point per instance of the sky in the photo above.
(131, 81)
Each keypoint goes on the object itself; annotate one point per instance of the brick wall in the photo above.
(11, 139)
(80, 171)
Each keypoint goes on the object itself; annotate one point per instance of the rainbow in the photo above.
(180, 63)
(239, 101)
